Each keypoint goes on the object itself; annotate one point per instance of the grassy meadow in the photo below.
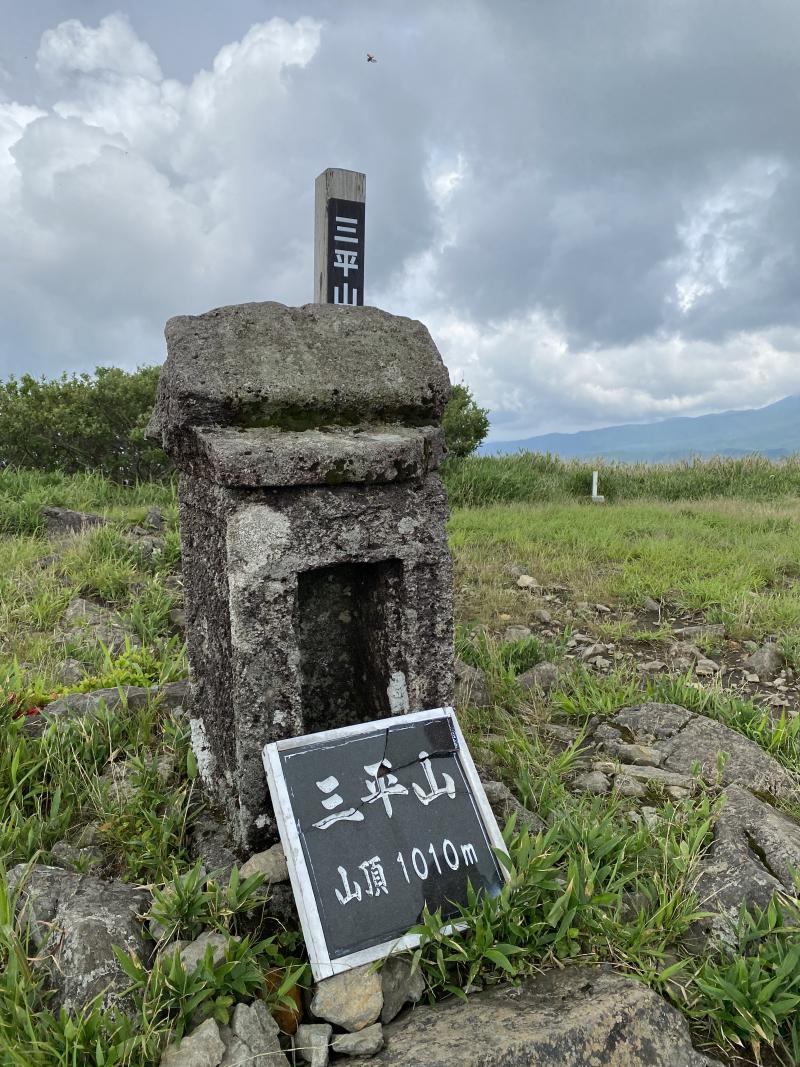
(715, 543)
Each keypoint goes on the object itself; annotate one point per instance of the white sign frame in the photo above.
(322, 966)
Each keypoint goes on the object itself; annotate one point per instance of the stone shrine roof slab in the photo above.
(266, 365)
(262, 457)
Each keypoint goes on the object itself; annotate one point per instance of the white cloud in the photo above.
(72, 49)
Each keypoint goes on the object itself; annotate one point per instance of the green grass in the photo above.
(737, 562)
(530, 477)
(718, 540)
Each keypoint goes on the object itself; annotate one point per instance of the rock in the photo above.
(652, 607)
(504, 804)
(70, 671)
(543, 616)
(543, 676)
(594, 782)
(365, 1043)
(74, 920)
(652, 665)
(59, 521)
(253, 1037)
(399, 985)
(641, 755)
(211, 843)
(752, 855)
(99, 624)
(706, 629)
(766, 662)
(516, 633)
(203, 1047)
(195, 951)
(271, 863)
(352, 1000)
(705, 667)
(564, 1018)
(629, 787)
(470, 686)
(155, 519)
(312, 1042)
(74, 858)
(525, 581)
(687, 738)
(684, 655)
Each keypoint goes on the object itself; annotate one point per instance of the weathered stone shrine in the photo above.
(317, 575)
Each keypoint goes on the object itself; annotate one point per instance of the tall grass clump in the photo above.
(532, 477)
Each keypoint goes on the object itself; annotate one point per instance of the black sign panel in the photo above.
(387, 821)
(345, 252)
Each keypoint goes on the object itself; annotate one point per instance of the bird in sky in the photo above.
(371, 58)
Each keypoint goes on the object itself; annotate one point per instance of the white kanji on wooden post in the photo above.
(340, 197)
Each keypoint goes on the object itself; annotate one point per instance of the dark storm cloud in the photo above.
(594, 205)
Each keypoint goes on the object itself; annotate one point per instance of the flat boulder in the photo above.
(58, 521)
(570, 1018)
(686, 739)
(74, 920)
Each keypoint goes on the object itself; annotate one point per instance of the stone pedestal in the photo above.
(317, 575)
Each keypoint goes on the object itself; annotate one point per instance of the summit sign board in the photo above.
(379, 820)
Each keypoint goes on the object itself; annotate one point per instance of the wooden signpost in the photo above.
(339, 206)
(377, 821)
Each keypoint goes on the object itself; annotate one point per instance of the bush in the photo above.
(465, 424)
(81, 423)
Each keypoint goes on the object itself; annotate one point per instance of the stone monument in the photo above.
(317, 575)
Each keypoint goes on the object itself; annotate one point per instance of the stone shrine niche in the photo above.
(317, 575)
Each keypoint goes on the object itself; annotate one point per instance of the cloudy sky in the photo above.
(593, 204)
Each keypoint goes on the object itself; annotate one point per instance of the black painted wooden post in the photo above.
(340, 197)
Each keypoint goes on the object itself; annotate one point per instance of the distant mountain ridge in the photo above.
(773, 431)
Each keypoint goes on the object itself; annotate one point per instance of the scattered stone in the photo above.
(652, 607)
(766, 662)
(525, 581)
(641, 755)
(504, 804)
(706, 667)
(516, 633)
(629, 787)
(543, 616)
(543, 676)
(751, 678)
(595, 649)
(99, 624)
(705, 629)
(132, 698)
(74, 920)
(564, 1018)
(352, 1000)
(58, 521)
(653, 665)
(684, 655)
(70, 672)
(470, 686)
(203, 1047)
(256, 1034)
(155, 519)
(687, 738)
(312, 1043)
(752, 856)
(602, 609)
(74, 858)
(594, 782)
(365, 1043)
(271, 863)
(195, 951)
(400, 985)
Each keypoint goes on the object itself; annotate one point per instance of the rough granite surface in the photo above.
(297, 368)
(573, 1018)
